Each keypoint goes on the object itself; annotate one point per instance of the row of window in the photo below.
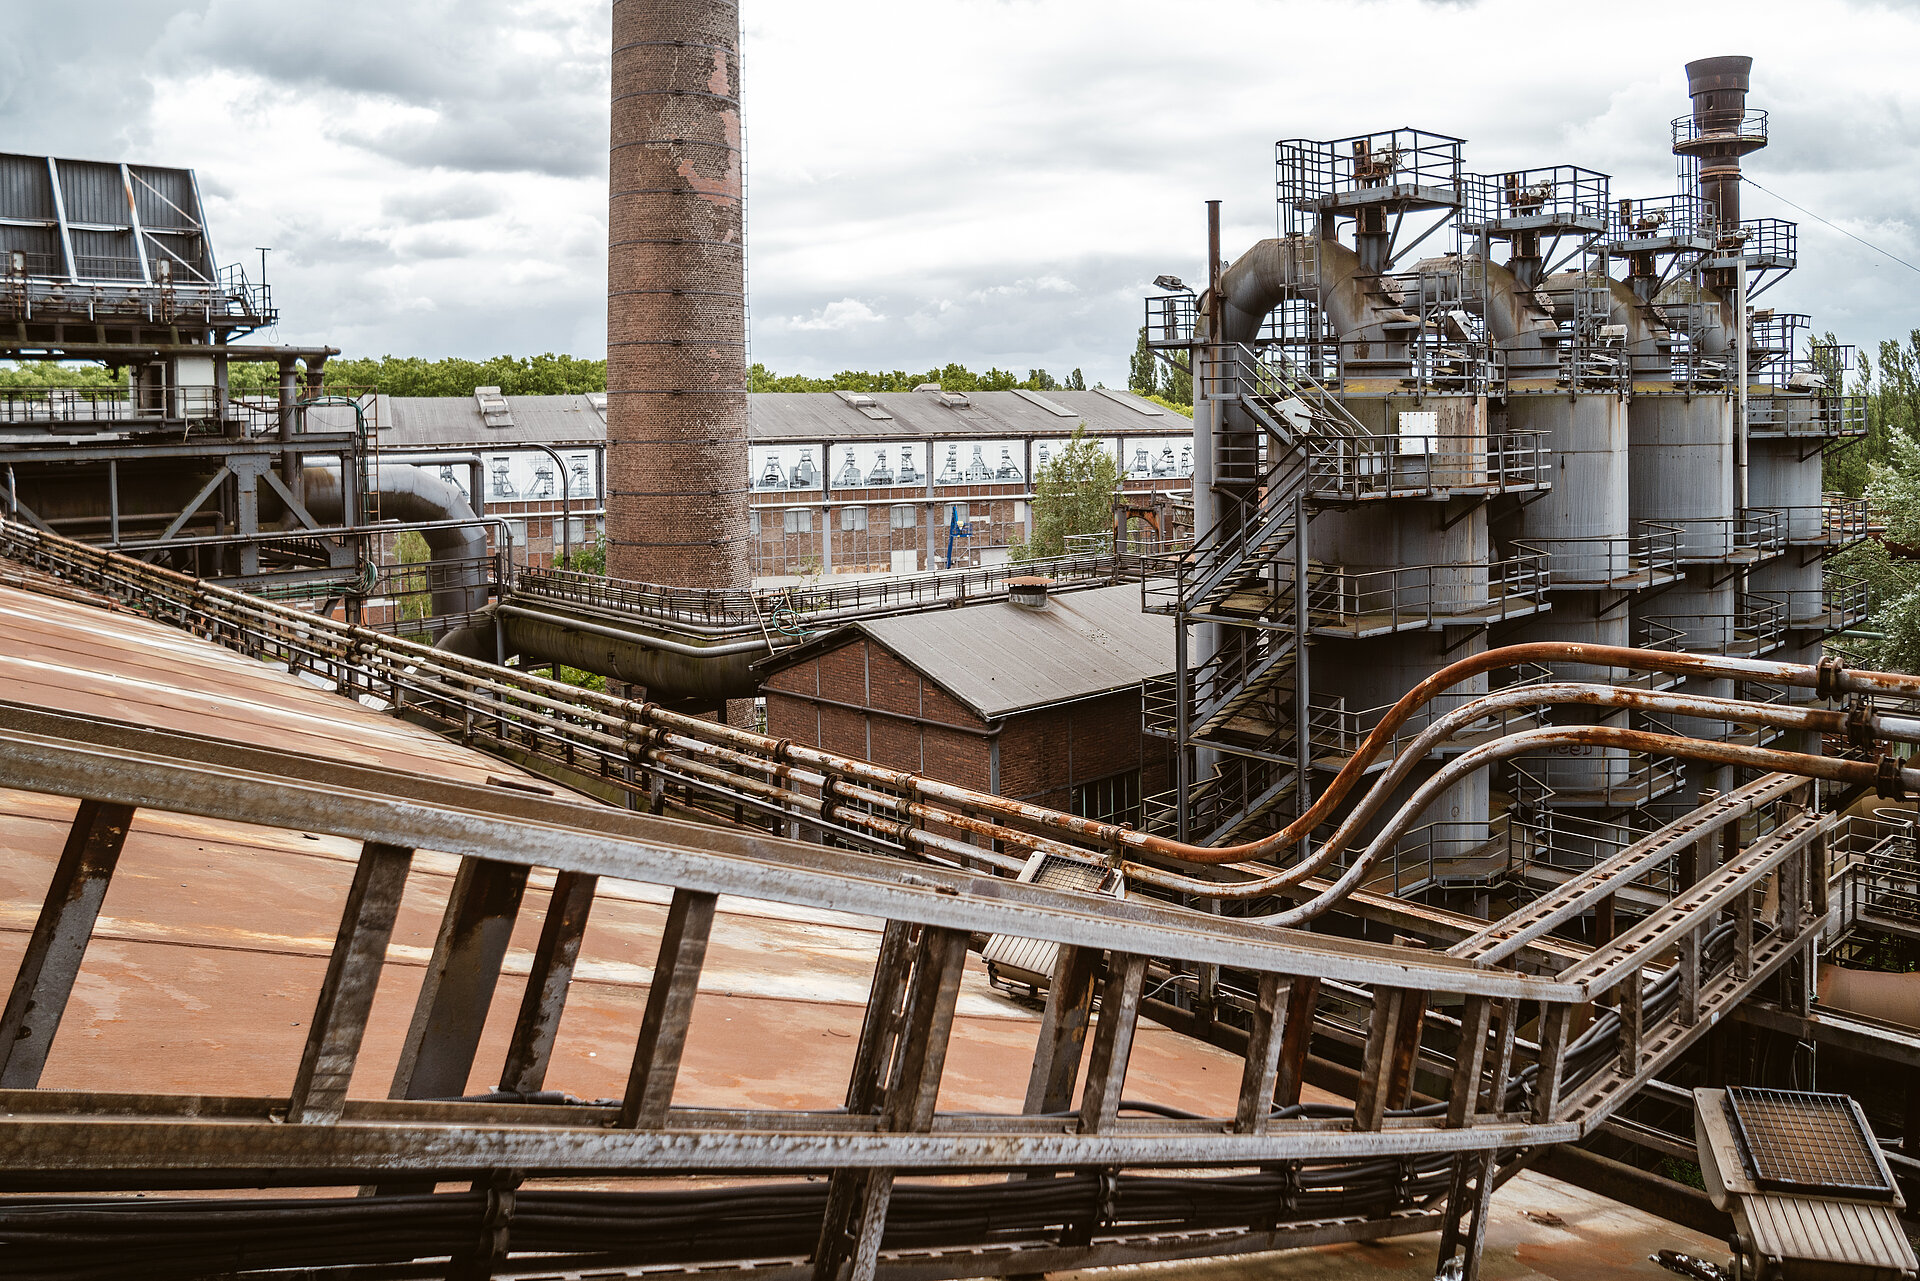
(799, 520)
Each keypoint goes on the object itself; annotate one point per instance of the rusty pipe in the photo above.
(1551, 694)
(1827, 767)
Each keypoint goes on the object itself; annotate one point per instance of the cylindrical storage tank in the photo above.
(1441, 549)
(1781, 475)
(676, 308)
(1682, 471)
(1583, 526)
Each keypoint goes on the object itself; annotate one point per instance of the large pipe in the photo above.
(409, 494)
(671, 670)
(676, 460)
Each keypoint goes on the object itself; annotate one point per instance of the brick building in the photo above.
(1039, 704)
(841, 482)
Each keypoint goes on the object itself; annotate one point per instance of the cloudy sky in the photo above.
(988, 181)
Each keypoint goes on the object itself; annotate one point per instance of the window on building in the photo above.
(1115, 799)
(753, 523)
(905, 516)
(956, 514)
(798, 520)
(853, 519)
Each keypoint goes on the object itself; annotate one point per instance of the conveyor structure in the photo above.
(1534, 1041)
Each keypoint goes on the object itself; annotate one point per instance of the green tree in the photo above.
(1892, 577)
(411, 549)
(1072, 495)
(1076, 381)
(33, 375)
(1040, 380)
(1143, 371)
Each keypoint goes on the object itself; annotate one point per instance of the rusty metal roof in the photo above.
(214, 938)
(1002, 658)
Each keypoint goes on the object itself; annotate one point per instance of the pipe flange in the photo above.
(1827, 675)
(829, 805)
(1886, 778)
(1859, 722)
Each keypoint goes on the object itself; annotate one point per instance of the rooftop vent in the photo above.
(1053, 407)
(1029, 592)
(598, 401)
(865, 404)
(493, 407)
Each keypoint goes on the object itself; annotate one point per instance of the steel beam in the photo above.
(548, 980)
(59, 940)
(346, 995)
(663, 1028)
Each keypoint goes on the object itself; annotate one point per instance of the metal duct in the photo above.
(676, 299)
(409, 494)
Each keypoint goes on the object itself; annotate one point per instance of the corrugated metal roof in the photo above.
(1002, 658)
(413, 422)
(442, 421)
(780, 416)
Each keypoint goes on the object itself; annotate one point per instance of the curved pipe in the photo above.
(409, 494)
(1547, 695)
(671, 670)
(1827, 767)
(1257, 281)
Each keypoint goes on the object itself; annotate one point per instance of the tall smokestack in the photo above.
(1719, 133)
(676, 301)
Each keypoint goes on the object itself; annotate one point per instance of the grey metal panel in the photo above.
(105, 255)
(165, 199)
(1004, 658)
(1864, 1239)
(25, 189)
(94, 193)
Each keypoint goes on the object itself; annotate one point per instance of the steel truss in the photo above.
(1644, 996)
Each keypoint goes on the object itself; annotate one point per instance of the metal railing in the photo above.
(1649, 555)
(1559, 197)
(1364, 602)
(1441, 855)
(1337, 731)
(1555, 845)
(1311, 171)
(1754, 534)
(742, 610)
(1757, 626)
(1591, 776)
(49, 406)
(1812, 414)
(128, 298)
(1355, 468)
(1660, 222)
(1835, 521)
(1841, 601)
(1752, 127)
(1172, 320)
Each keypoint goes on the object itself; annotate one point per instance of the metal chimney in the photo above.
(1719, 132)
(676, 301)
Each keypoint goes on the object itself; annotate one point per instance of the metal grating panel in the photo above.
(1031, 961)
(1799, 1142)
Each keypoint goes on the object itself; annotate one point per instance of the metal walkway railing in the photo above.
(1376, 1167)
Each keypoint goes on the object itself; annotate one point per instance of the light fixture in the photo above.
(1173, 283)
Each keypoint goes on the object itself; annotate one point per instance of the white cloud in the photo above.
(997, 182)
(835, 317)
